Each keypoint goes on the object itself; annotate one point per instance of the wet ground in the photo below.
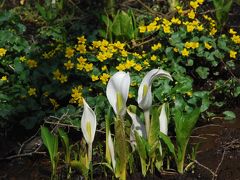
(218, 156)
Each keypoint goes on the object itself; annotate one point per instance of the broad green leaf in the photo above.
(51, 142)
(229, 115)
(203, 72)
(168, 142)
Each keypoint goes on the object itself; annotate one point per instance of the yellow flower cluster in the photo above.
(82, 64)
(76, 96)
(212, 23)
(2, 52)
(59, 76)
(153, 26)
(191, 26)
(192, 45)
(235, 38)
(195, 4)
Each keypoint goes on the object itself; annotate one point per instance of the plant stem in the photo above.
(121, 147)
(89, 153)
(147, 121)
(180, 164)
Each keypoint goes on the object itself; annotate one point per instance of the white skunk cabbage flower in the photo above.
(144, 92)
(88, 123)
(111, 150)
(117, 92)
(163, 121)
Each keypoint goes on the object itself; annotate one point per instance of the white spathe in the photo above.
(88, 123)
(163, 121)
(111, 149)
(144, 92)
(117, 92)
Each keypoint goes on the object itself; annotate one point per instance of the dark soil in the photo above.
(218, 157)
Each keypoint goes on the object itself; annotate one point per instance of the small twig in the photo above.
(208, 125)
(216, 171)
(60, 124)
(205, 167)
(25, 142)
(21, 155)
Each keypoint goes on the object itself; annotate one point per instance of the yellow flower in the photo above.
(232, 54)
(32, 63)
(188, 45)
(4, 78)
(22, 58)
(185, 52)
(81, 59)
(104, 68)
(119, 45)
(153, 58)
(56, 74)
(80, 66)
(54, 103)
(121, 67)
(213, 31)
(69, 52)
(138, 67)
(101, 57)
(175, 49)
(88, 67)
(175, 20)
(69, 65)
(236, 39)
(156, 46)
(200, 1)
(104, 78)
(2, 52)
(94, 78)
(63, 78)
(208, 46)
(129, 64)
(146, 63)
(32, 91)
(191, 14)
(190, 27)
(124, 53)
(142, 29)
(194, 4)
(81, 40)
(166, 29)
(231, 31)
(179, 10)
(81, 48)
(96, 44)
(200, 27)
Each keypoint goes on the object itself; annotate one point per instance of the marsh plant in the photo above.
(146, 136)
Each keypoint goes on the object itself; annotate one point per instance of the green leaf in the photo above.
(203, 72)
(229, 115)
(168, 142)
(141, 148)
(51, 142)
